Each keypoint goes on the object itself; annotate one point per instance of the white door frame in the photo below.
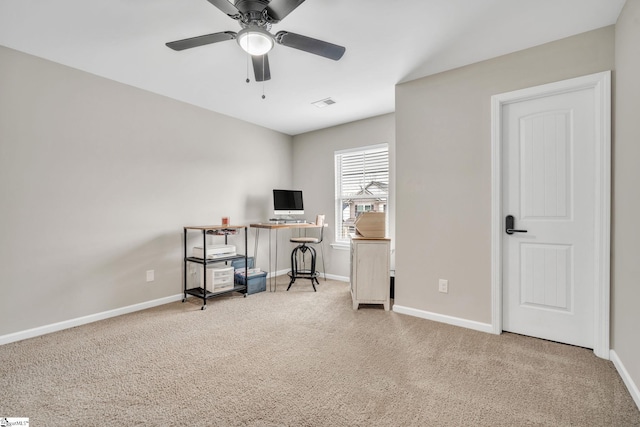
(601, 83)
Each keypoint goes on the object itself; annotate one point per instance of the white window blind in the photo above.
(362, 185)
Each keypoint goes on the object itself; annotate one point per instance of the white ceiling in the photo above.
(386, 42)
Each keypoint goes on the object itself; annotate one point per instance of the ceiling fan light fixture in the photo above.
(255, 40)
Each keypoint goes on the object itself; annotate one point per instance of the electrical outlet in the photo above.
(150, 275)
(443, 286)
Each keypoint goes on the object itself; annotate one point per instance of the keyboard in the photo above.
(286, 221)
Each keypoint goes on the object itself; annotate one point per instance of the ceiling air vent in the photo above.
(324, 102)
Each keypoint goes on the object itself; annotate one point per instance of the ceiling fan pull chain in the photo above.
(263, 97)
(248, 68)
(248, 55)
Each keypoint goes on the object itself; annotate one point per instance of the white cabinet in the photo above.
(370, 279)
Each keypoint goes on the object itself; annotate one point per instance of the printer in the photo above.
(214, 251)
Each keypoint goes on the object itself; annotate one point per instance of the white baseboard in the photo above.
(278, 273)
(334, 277)
(47, 329)
(626, 378)
(442, 318)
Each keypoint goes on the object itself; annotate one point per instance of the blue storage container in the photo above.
(257, 281)
(239, 263)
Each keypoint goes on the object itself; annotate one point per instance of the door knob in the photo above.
(509, 224)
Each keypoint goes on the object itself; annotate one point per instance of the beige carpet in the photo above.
(301, 358)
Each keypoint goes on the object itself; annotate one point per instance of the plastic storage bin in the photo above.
(257, 281)
(218, 278)
(239, 263)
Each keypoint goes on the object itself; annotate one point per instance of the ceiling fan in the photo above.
(256, 17)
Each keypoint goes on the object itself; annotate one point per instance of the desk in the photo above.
(273, 226)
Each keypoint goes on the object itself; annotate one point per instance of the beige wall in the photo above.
(313, 172)
(443, 185)
(626, 196)
(97, 180)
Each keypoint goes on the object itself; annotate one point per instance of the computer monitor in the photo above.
(287, 202)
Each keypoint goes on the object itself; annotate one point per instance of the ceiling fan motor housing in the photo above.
(245, 6)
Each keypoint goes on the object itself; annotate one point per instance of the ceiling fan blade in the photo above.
(226, 7)
(261, 68)
(201, 40)
(315, 46)
(278, 9)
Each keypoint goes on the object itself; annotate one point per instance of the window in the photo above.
(362, 185)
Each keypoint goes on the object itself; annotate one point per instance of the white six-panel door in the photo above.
(551, 177)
